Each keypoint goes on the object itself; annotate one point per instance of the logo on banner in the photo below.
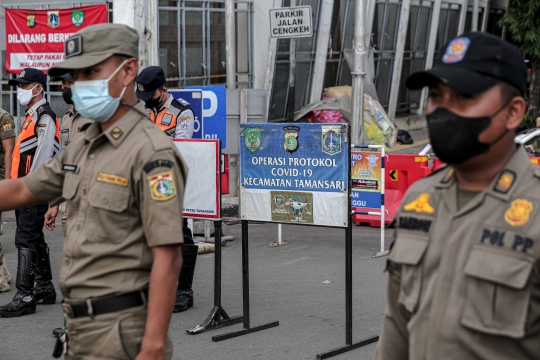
(252, 138)
(31, 19)
(291, 138)
(53, 19)
(77, 17)
(331, 140)
(372, 160)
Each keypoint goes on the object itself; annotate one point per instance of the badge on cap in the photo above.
(73, 46)
(21, 75)
(140, 87)
(456, 50)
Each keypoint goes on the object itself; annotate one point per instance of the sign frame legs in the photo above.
(217, 318)
(245, 294)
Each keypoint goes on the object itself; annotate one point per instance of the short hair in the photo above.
(508, 92)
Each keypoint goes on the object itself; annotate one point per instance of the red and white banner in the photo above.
(35, 38)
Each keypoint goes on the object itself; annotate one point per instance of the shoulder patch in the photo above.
(162, 187)
(157, 163)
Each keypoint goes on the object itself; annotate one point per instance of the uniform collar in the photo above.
(33, 109)
(167, 103)
(120, 129)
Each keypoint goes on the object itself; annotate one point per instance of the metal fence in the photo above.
(53, 92)
(192, 42)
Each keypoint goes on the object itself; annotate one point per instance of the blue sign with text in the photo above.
(214, 124)
(195, 100)
(310, 157)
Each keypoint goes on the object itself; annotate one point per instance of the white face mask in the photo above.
(24, 96)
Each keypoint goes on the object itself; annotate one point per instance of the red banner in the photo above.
(35, 38)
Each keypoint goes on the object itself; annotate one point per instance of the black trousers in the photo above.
(188, 236)
(30, 221)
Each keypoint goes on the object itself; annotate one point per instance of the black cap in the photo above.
(148, 81)
(63, 77)
(28, 76)
(474, 62)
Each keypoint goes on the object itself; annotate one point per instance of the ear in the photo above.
(165, 89)
(131, 67)
(516, 111)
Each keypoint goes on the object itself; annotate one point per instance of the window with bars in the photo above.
(192, 42)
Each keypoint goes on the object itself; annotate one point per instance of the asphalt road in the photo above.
(286, 285)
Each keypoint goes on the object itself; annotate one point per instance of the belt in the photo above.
(105, 305)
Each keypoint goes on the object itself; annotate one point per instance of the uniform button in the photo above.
(148, 126)
(105, 200)
(66, 261)
(78, 227)
(84, 191)
(92, 156)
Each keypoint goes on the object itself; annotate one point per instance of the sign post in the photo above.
(296, 174)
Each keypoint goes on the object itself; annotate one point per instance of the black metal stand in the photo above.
(245, 290)
(217, 318)
(348, 301)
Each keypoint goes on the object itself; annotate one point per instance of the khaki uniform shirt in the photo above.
(465, 284)
(124, 188)
(7, 131)
(72, 124)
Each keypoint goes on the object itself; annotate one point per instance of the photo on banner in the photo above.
(366, 179)
(35, 38)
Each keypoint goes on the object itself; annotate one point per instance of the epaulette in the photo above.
(156, 137)
(84, 127)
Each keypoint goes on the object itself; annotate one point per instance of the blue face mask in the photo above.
(92, 100)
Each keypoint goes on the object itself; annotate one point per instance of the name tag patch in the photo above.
(507, 240)
(413, 223)
(70, 168)
(162, 187)
(113, 179)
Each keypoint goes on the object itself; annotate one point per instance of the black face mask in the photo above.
(153, 103)
(454, 138)
(66, 94)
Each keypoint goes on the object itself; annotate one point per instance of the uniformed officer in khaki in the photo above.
(7, 144)
(464, 269)
(72, 125)
(121, 255)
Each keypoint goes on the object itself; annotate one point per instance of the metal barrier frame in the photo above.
(383, 180)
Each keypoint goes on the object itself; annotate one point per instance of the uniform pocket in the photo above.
(408, 252)
(108, 219)
(498, 294)
(71, 184)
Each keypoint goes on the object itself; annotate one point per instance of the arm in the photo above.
(46, 143)
(163, 278)
(50, 218)
(15, 194)
(8, 145)
(394, 341)
(184, 124)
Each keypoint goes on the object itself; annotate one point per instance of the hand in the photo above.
(50, 218)
(151, 353)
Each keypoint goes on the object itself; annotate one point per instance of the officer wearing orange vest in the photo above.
(175, 118)
(38, 141)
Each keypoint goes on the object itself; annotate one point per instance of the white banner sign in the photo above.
(202, 196)
(291, 22)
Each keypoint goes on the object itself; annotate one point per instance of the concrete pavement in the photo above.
(286, 285)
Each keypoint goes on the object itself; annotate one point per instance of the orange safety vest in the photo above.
(27, 142)
(167, 118)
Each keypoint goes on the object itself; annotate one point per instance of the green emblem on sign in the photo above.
(31, 19)
(291, 138)
(77, 17)
(252, 138)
